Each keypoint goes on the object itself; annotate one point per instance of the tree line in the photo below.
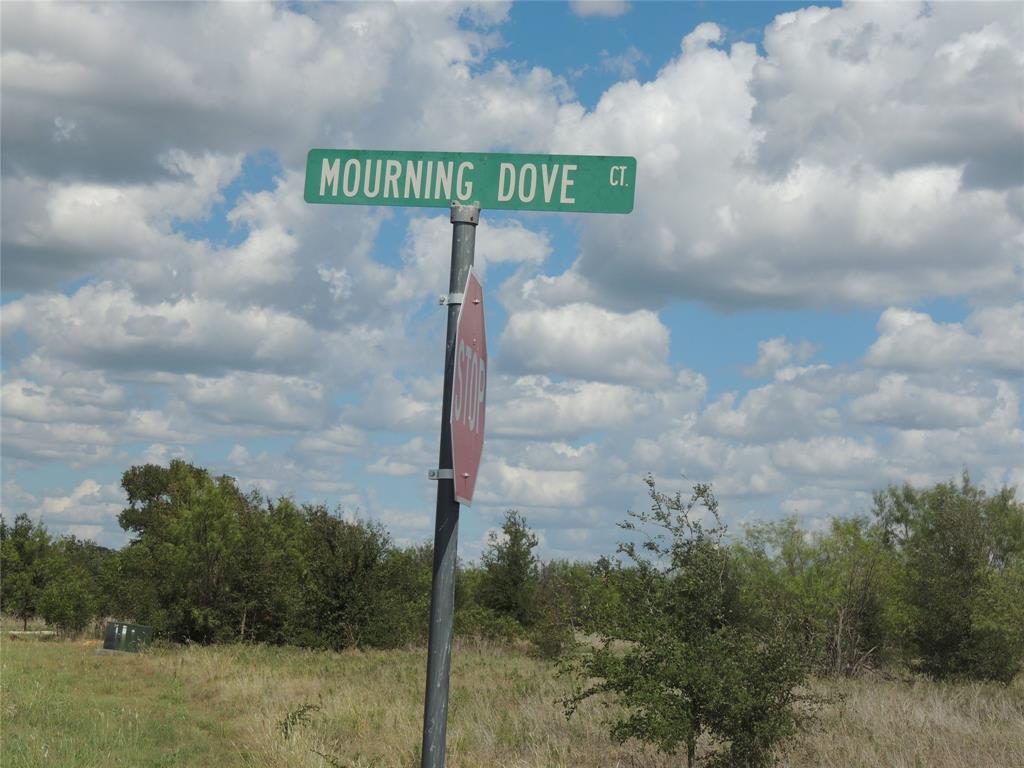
(693, 630)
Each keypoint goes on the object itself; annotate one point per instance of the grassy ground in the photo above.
(67, 704)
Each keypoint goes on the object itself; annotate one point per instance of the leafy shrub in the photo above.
(556, 598)
(961, 584)
(480, 623)
(24, 548)
(833, 586)
(686, 660)
(68, 601)
(508, 583)
(996, 650)
(402, 605)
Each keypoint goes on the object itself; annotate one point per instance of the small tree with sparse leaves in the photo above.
(508, 584)
(686, 662)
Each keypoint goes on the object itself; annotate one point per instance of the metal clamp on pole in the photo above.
(465, 214)
(450, 298)
(441, 474)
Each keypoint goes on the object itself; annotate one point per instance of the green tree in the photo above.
(269, 568)
(93, 563)
(997, 624)
(961, 550)
(69, 600)
(208, 563)
(601, 591)
(508, 583)
(402, 604)
(559, 591)
(180, 571)
(24, 548)
(687, 660)
(343, 578)
(473, 620)
(834, 586)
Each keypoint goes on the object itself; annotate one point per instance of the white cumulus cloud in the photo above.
(584, 341)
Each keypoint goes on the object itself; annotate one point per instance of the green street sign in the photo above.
(561, 183)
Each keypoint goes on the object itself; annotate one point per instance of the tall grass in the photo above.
(915, 723)
(66, 704)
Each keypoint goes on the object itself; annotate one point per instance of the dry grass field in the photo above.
(67, 703)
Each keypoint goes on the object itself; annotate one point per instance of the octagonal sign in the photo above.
(469, 391)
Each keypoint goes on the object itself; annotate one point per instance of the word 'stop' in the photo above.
(561, 183)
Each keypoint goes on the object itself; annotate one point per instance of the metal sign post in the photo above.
(465, 181)
(446, 528)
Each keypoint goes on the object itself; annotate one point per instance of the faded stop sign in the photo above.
(469, 390)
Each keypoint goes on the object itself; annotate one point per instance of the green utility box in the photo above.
(126, 637)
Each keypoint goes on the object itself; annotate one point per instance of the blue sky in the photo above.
(642, 39)
(818, 292)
